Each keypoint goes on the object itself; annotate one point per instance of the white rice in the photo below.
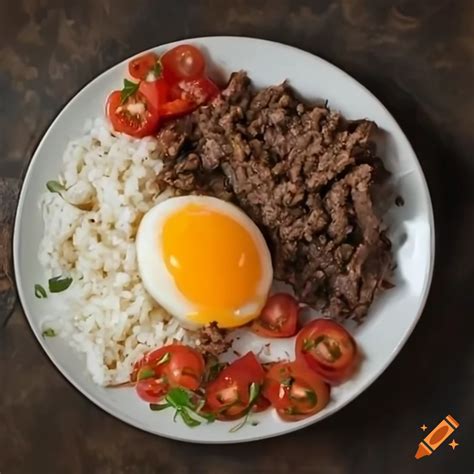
(109, 316)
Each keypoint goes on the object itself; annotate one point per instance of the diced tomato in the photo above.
(328, 349)
(152, 390)
(199, 91)
(135, 116)
(178, 365)
(141, 66)
(184, 62)
(176, 108)
(279, 317)
(295, 391)
(229, 394)
(156, 92)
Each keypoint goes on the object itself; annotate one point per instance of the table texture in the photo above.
(417, 57)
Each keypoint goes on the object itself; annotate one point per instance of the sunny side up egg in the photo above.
(204, 260)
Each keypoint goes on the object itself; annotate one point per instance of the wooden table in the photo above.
(418, 58)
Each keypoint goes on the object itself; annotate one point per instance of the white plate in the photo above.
(392, 317)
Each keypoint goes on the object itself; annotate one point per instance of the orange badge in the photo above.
(436, 437)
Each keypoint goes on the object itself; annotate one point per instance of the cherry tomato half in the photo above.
(176, 364)
(176, 108)
(157, 93)
(295, 391)
(141, 66)
(199, 91)
(152, 390)
(279, 317)
(229, 394)
(328, 349)
(135, 116)
(183, 62)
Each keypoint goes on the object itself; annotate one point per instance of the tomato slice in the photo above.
(199, 91)
(328, 349)
(183, 62)
(176, 108)
(279, 317)
(178, 365)
(135, 116)
(152, 390)
(229, 394)
(157, 93)
(295, 391)
(141, 66)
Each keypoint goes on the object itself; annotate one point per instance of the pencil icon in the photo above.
(437, 436)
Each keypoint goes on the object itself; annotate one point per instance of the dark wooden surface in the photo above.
(418, 58)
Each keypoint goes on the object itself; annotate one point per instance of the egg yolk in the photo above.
(215, 264)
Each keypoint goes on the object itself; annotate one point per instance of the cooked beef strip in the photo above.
(303, 173)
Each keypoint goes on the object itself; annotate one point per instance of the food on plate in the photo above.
(278, 318)
(167, 225)
(329, 349)
(303, 174)
(106, 314)
(295, 391)
(170, 366)
(162, 88)
(204, 260)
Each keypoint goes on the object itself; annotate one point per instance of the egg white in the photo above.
(152, 267)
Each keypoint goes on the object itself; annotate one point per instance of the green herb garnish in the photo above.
(49, 332)
(145, 373)
(254, 393)
(129, 89)
(59, 284)
(157, 69)
(181, 400)
(312, 397)
(55, 187)
(40, 292)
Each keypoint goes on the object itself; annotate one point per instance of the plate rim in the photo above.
(291, 428)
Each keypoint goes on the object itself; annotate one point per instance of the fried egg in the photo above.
(204, 260)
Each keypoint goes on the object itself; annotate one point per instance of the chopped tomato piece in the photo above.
(279, 317)
(152, 390)
(141, 66)
(134, 116)
(199, 91)
(176, 108)
(178, 365)
(183, 62)
(295, 391)
(157, 93)
(328, 349)
(229, 394)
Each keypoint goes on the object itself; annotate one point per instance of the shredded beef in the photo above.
(303, 173)
(211, 340)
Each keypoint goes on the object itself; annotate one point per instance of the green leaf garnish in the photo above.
(55, 187)
(40, 292)
(188, 419)
(254, 393)
(157, 69)
(145, 373)
(287, 382)
(59, 284)
(129, 89)
(181, 400)
(312, 397)
(308, 344)
(159, 406)
(49, 332)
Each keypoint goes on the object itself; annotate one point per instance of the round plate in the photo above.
(392, 316)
